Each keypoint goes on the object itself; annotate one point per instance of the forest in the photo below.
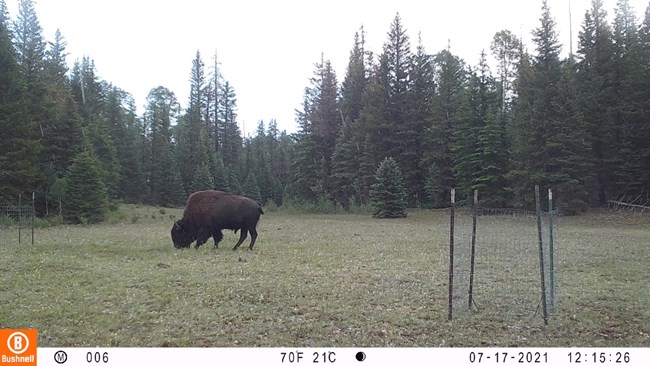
(576, 124)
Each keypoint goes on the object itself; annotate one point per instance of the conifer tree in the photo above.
(234, 183)
(161, 113)
(61, 135)
(169, 191)
(554, 156)
(388, 195)
(86, 198)
(595, 85)
(631, 120)
(417, 119)
(202, 179)
(232, 142)
(18, 148)
(345, 167)
(450, 76)
(219, 173)
(251, 189)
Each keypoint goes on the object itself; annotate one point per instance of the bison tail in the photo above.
(261, 211)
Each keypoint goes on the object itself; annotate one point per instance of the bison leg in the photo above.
(242, 237)
(201, 238)
(217, 236)
(253, 237)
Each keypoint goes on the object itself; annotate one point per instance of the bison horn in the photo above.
(177, 226)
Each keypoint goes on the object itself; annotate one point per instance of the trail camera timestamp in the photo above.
(508, 357)
(599, 357)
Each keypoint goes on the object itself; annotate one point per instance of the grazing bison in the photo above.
(208, 212)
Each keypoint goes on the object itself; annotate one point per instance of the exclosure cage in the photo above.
(502, 262)
(17, 221)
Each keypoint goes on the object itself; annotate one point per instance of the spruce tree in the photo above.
(417, 119)
(18, 147)
(345, 167)
(202, 179)
(451, 77)
(595, 82)
(86, 198)
(251, 189)
(388, 195)
(234, 183)
(219, 173)
(169, 190)
(161, 112)
(232, 142)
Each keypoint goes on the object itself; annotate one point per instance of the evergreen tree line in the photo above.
(577, 124)
(77, 141)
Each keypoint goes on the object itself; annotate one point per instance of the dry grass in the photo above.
(312, 280)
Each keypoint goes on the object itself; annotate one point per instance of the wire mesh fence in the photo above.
(496, 263)
(17, 222)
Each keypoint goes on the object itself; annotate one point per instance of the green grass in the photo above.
(339, 280)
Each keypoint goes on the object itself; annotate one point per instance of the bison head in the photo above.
(181, 237)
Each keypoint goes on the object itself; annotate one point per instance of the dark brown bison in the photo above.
(209, 212)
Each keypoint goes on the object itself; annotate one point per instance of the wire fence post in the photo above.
(451, 253)
(541, 253)
(473, 250)
(20, 213)
(551, 250)
(33, 214)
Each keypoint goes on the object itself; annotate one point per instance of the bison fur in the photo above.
(209, 212)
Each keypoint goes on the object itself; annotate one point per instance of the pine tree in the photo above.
(30, 45)
(346, 154)
(193, 136)
(595, 86)
(202, 179)
(103, 148)
(417, 120)
(125, 129)
(479, 149)
(367, 170)
(569, 165)
(450, 76)
(304, 165)
(18, 147)
(86, 198)
(251, 189)
(627, 66)
(434, 187)
(318, 122)
(554, 156)
(61, 135)
(219, 173)
(234, 183)
(643, 99)
(355, 81)
(523, 139)
(231, 148)
(388, 195)
(374, 124)
(162, 110)
(169, 191)
(344, 167)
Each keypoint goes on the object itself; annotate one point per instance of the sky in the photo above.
(267, 49)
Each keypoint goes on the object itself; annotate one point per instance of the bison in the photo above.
(208, 212)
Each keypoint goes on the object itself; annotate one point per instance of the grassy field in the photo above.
(315, 280)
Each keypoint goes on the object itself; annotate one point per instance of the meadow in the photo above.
(326, 280)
